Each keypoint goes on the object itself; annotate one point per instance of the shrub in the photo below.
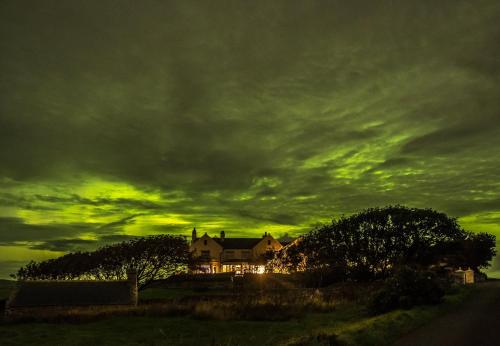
(407, 288)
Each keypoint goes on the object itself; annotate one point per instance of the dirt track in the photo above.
(476, 322)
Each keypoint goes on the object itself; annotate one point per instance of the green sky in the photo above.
(124, 118)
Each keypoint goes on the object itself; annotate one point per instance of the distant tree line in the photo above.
(375, 242)
(369, 245)
(153, 258)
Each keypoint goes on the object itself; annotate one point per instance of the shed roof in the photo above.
(72, 293)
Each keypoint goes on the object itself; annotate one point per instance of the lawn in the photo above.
(152, 294)
(169, 331)
(349, 322)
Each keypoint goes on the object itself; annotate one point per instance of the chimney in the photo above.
(265, 235)
(193, 235)
(222, 235)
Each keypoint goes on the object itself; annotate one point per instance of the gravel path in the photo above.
(476, 322)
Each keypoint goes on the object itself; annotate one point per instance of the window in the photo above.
(205, 242)
(229, 254)
(269, 242)
(245, 254)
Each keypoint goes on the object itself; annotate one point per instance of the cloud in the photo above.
(15, 230)
(71, 245)
(77, 244)
(465, 136)
(120, 223)
(242, 117)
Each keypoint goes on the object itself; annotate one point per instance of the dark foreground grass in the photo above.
(348, 324)
(155, 294)
(383, 329)
(167, 331)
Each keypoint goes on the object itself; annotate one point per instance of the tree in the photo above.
(373, 242)
(153, 258)
(289, 259)
(478, 250)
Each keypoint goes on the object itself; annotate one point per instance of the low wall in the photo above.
(50, 312)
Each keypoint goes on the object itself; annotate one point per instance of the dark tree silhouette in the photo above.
(153, 258)
(373, 242)
(478, 250)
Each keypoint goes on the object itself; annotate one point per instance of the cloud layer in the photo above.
(125, 119)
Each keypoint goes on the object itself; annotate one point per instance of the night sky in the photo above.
(126, 118)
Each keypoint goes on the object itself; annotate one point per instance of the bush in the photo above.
(152, 258)
(323, 277)
(407, 288)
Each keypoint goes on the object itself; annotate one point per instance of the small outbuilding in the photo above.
(43, 298)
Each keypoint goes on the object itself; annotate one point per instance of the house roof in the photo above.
(238, 243)
(244, 261)
(71, 293)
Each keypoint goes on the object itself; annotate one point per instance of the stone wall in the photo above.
(129, 290)
(51, 312)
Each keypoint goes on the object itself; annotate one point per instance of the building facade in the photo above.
(238, 255)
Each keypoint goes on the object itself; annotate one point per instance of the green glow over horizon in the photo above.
(248, 118)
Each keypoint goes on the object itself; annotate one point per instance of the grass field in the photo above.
(174, 293)
(348, 322)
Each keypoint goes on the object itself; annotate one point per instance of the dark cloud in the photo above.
(76, 244)
(242, 115)
(15, 230)
(462, 207)
(65, 245)
(177, 128)
(116, 238)
(271, 216)
(119, 223)
(464, 137)
(394, 162)
(12, 200)
(118, 202)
